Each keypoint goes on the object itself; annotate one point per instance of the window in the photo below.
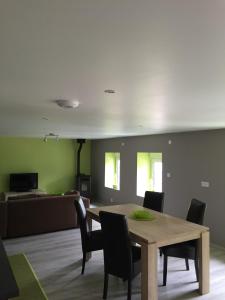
(112, 170)
(149, 172)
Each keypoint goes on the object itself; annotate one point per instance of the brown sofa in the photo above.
(20, 217)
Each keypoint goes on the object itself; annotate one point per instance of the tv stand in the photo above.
(6, 195)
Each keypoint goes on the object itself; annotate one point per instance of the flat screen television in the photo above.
(22, 182)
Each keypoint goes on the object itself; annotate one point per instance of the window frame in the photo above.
(147, 184)
(115, 172)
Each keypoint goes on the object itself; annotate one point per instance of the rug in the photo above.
(27, 281)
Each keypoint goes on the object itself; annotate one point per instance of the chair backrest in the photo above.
(196, 212)
(82, 219)
(154, 201)
(116, 244)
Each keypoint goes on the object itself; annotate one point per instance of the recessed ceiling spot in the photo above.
(109, 91)
(67, 103)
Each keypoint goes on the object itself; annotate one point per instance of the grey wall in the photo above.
(191, 158)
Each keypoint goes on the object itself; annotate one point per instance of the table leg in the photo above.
(149, 281)
(89, 221)
(204, 259)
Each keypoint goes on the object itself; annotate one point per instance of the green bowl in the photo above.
(142, 215)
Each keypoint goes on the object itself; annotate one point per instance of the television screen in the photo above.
(22, 182)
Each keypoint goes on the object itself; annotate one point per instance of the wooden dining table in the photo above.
(163, 230)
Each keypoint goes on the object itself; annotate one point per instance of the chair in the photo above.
(186, 250)
(154, 201)
(121, 259)
(91, 240)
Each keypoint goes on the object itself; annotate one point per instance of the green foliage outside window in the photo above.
(149, 172)
(112, 170)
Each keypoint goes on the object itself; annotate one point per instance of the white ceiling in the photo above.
(164, 58)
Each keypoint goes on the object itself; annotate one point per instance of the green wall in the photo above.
(55, 162)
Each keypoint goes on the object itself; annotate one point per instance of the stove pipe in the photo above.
(81, 142)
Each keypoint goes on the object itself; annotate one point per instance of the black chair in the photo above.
(91, 240)
(186, 250)
(121, 259)
(154, 201)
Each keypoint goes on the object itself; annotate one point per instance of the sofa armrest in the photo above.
(3, 219)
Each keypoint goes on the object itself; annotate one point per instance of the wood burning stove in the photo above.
(83, 181)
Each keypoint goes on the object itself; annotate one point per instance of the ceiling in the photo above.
(164, 58)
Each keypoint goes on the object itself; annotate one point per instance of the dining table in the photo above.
(162, 230)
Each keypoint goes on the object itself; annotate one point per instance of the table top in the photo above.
(163, 230)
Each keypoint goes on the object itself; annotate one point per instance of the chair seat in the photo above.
(95, 240)
(181, 250)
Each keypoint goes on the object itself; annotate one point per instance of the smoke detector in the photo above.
(66, 103)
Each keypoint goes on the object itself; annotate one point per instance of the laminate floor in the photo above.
(56, 258)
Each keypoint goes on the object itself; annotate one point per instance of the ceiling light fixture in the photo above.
(109, 91)
(67, 103)
(51, 135)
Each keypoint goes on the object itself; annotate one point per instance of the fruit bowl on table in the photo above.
(142, 215)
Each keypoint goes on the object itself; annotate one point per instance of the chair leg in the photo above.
(165, 262)
(105, 290)
(129, 289)
(196, 268)
(187, 264)
(83, 262)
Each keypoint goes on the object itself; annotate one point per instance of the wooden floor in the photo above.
(56, 258)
